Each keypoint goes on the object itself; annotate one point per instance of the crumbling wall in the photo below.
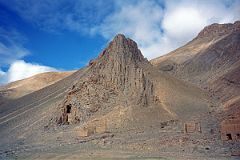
(192, 127)
(69, 114)
(101, 126)
(86, 131)
(230, 129)
(97, 126)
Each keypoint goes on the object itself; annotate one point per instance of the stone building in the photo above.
(93, 127)
(101, 126)
(86, 131)
(192, 127)
(230, 129)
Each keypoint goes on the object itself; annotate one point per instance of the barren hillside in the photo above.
(210, 61)
(23, 87)
(119, 106)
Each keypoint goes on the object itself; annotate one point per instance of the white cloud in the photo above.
(158, 26)
(2, 74)
(11, 50)
(160, 30)
(11, 47)
(2, 77)
(21, 69)
(141, 21)
(183, 20)
(8, 54)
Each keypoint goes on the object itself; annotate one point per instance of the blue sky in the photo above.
(56, 35)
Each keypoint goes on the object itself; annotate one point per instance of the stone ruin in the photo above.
(230, 129)
(86, 131)
(91, 128)
(192, 127)
(69, 115)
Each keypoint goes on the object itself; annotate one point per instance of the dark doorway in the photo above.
(238, 135)
(69, 106)
(229, 136)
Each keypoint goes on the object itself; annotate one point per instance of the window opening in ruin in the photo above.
(238, 135)
(69, 108)
(229, 136)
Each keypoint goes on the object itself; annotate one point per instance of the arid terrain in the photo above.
(26, 86)
(122, 106)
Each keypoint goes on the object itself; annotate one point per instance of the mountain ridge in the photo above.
(216, 29)
(209, 67)
(20, 88)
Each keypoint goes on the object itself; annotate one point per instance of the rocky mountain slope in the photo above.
(210, 61)
(118, 106)
(116, 77)
(23, 87)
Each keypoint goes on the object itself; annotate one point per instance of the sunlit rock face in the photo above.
(116, 77)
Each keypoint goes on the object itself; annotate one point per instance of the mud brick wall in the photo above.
(230, 130)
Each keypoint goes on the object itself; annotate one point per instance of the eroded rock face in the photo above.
(116, 77)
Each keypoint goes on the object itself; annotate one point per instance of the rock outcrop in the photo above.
(117, 77)
(215, 29)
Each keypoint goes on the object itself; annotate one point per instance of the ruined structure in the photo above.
(230, 129)
(192, 127)
(85, 131)
(101, 126)
(93, 127)
(117, 77)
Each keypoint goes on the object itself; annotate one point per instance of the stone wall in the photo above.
(230, 129)
(97, 126)
(86, 131)
(192, 127)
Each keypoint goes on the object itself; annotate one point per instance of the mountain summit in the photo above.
(122, 50)
(216, 29)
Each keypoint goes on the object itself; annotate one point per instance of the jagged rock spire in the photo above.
(123, 50)
(121, 64)
(116, 77)
(125, 47)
